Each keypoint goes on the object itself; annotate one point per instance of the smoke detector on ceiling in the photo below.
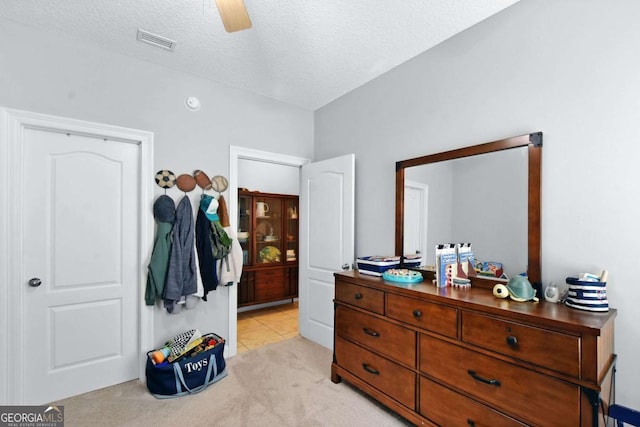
(155, 40)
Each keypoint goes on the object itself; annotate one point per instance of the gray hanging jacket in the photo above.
(181, 276)
(164, 212)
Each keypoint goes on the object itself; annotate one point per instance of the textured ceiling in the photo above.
(302, 52)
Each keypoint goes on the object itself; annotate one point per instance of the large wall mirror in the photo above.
(487, 195)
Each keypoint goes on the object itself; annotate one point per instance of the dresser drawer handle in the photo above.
(417, 313)
(370, 332)
(484, 380)
(358, 296)
(511, 340)
(370, 369)
(471, 422)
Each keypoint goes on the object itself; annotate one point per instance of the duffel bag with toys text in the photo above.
(187, 363)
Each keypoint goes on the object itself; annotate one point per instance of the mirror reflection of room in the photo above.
(480, 199)
(268, 224)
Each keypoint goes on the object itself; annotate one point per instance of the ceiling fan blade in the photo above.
(234, 15)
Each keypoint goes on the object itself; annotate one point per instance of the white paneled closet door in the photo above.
(78, 230)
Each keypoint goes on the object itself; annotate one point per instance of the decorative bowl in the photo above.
(269, 254)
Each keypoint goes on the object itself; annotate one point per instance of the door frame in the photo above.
(12, 125)
(235, 155)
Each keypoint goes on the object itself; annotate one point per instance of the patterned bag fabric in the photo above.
(182, 343)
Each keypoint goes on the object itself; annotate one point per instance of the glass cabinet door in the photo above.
(268, 230)
(244, 227)
(291, 244)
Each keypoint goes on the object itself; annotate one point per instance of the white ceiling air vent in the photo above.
(156, 40)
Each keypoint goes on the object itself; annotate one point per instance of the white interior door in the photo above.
(415, 218)
(80, 218)
(326, 241)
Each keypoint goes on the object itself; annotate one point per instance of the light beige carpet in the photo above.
(282, 384)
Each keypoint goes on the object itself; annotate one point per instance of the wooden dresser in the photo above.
(463, 357)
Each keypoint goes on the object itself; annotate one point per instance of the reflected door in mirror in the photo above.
(416, 196)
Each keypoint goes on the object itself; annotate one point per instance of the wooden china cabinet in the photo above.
(268, 233)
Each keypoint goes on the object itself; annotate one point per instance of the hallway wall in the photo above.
(54, 74)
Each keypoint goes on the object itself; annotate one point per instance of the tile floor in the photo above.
(267, 325)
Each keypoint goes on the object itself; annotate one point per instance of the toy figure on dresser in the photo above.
(454, 265)
(490, 269)
(465, 267)
(446, 259)
(518, 288)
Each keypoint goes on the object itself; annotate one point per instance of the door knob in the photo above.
(345, 266)
(35, 282)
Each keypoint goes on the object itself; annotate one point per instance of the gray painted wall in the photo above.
(439, 221)
(568, 68)
(490, 207)
(268, 177)
(481, 200)
(54, 74)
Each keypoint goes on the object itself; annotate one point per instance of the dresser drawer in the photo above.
(377, 334)
(445, 407)
(423, 314)
(533, 397)
(390, 378)
(269, 284)
(360, 296)
(553, 350)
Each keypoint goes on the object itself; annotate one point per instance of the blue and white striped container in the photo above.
(587, 295)
(377, 265)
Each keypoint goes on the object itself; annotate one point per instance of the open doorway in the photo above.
(275, 322)
(271, 173)
(268, 202)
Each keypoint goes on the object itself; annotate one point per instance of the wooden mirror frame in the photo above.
(534, 143)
